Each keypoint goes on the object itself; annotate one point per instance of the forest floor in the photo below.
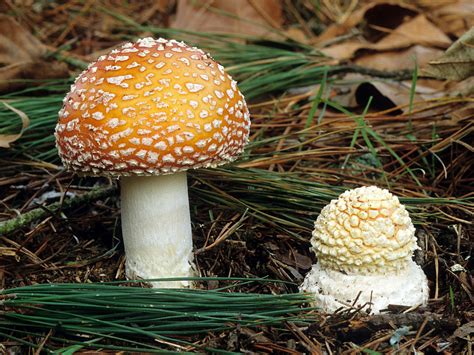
(341, 94)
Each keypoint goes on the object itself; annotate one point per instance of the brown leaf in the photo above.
(373, 15)
(464, 331)
(21, 57)
(390, 94)
(6, 139)
(245, 17)
(12, 75)
(386, 94)
(399, 59)
(457, 63)
(418, 31)
(17, 44)
(454, 17)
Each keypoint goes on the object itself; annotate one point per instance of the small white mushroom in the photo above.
(364, 242)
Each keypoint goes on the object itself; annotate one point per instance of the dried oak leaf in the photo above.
(371, 17)
(417, 31)
(401, 59)
(385, 94)
(243, 17)
(7, 139)
(21, 57)
(457, 63)
(454, 17)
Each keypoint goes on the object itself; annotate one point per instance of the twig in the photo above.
(22, 220)
(396, 75)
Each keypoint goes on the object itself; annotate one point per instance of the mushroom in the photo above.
(364, 243)
(147, 112)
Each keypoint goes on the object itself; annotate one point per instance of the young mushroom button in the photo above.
(364, 243)
(147, 112)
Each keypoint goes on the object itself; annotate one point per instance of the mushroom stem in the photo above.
(156, 228)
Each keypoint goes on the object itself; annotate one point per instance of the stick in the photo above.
(22, 220)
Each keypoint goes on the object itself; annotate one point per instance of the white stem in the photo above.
(156, 228)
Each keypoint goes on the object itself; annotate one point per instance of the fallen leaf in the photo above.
(17, 44)
(12, 77)
(464, 331)
(346, 50)
(418, 31)
(457, 63)
(463, 88)
(399, 59)
(243, 17)
(296, 35)
(454, 17)
(22, 57)
(6, 139)
(355, 90)
(390, 94)
(373, 15)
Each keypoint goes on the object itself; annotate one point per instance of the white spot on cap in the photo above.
(152, 157)
(147, 141)
(117, 80)
(141, 153)
(113, 122)
(194, 87)
(212, 147)
(230, 93)
(98, 115)
(161, 145)
(168, 158)
(184, 60)
(172, 128)
(129, 97)
(129, 50)
(146, 42)
(121, 58)
(111, 67)
(133, 65)
(201, 143)
(115, 137)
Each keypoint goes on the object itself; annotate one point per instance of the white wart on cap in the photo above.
(152, 107)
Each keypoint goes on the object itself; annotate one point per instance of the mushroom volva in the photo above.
(364, 242)
(147, 112)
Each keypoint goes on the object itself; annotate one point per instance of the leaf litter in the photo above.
(311, 139)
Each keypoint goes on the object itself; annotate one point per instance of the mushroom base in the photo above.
(333, 289)
(156, 228)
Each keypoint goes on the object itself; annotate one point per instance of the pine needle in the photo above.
(137, 316)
